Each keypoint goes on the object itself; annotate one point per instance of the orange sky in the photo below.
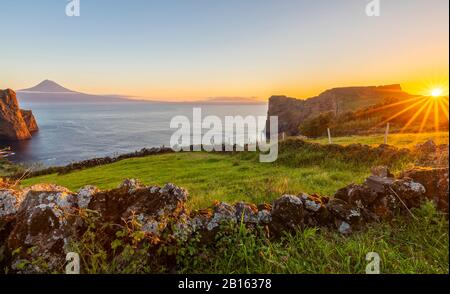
(236, 49)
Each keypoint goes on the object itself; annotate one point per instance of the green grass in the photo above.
(301, 167)
(7, 168)
(404, 246)
(210, 177)
(405, 140)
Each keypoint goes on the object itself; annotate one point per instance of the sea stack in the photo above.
(15, 124)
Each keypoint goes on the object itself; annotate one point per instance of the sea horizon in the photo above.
(72, 132)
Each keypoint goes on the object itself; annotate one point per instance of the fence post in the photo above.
(386, 134)
(330, 141)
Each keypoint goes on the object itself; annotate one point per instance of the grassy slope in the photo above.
(404, 246)
(7, 168)
(210, 177)
(231, 177)
(399, 140)
(407, 246)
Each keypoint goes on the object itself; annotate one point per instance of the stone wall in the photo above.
(40, 222)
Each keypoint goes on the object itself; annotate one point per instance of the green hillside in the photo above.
(404, 245)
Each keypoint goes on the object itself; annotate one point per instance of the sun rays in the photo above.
(431, 110)
(437, 92)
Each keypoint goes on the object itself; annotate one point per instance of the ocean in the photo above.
(75, 132)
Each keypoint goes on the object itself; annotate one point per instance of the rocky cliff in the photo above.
(30, 121)
(291, 111)
(15, 124)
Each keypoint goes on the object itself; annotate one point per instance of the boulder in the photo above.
(378, 184)
(287, 214)
(247, 213)
(399, 195)
(357, 195)
(46, 221)
(9, 204)
(153, 208)
(315, 212)
(222, 213)
(264, 214)
(85, 194)
(435, 182)
(427, 147)
(345, 215)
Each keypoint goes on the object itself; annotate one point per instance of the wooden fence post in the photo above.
(386, 134)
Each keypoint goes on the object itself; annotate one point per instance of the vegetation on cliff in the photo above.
(404, 116)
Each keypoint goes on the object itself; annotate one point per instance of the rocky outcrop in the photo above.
(151, 208)
(431, 154)
(39, 224)
(291, 111)
(12, 124)
(15, 124)
(45, 224)
(435, 182)
(30, 121)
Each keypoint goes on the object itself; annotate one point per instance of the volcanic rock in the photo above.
(287, 214)
(45, 223)
(152, 207)
(436, 184)
(30, 121)
(12, 124)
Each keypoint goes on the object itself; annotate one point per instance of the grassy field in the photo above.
(399, 140)
(405, 245)
(210, 177)
(301, 167)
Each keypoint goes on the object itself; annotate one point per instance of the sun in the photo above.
(436, 92)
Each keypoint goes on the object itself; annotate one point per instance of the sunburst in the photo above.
(414, 117)
(437, 92)
(429, 107)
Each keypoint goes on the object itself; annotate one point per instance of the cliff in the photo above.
(291, 111)
(15, 124)
(30, 121)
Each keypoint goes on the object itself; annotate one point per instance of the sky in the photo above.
(193, 49)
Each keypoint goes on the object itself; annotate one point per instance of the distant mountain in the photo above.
(47, 86)
(51, 92)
